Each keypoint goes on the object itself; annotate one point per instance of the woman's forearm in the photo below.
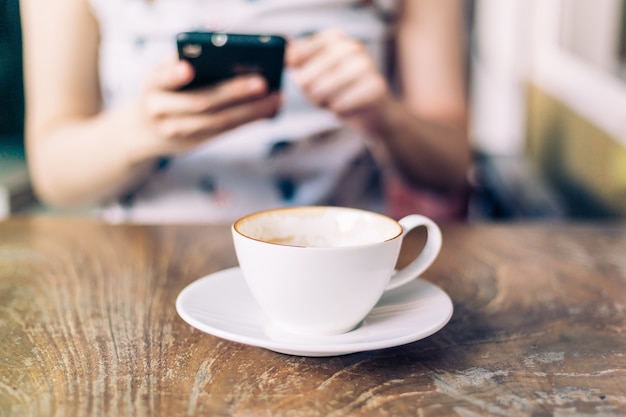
(427, 153)
(87, 161)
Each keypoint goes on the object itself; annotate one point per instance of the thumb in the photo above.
(171, 75)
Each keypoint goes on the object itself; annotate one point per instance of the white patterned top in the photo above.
(303, 156)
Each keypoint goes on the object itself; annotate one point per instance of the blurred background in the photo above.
(549, 108)
(14, 188)
(548, 99)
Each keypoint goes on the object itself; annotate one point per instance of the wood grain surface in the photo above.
(88, 327)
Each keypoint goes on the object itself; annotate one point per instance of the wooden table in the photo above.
(88, 327)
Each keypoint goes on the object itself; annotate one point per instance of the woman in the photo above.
(108, 125)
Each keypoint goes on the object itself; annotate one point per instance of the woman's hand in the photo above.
(336, 71)
(423, 133)
(176, 120)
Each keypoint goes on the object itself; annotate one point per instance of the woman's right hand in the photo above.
(175, 121)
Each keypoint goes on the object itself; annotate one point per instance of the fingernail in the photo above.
(255, 84)
(180, 70)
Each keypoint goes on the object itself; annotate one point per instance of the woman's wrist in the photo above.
(137, 144)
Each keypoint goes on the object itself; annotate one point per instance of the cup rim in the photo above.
(236, 225)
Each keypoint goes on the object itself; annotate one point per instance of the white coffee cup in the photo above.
(319, 270)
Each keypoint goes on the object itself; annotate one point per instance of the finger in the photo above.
(207, 99)
(298, 51)
(358, 96)
(324, 63)
(231, 92)
(202, 125)
(171, 75)
(322, 89)
(302, 49)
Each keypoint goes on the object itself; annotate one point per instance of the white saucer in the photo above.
(221, 304)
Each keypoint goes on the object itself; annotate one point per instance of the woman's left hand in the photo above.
(336, 72)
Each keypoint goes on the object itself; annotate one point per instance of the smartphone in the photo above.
(218, 56)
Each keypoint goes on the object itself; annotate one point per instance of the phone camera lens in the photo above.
(264, 38)
(219, 39)
(192, 50)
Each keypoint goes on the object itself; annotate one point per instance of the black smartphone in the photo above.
(217, 56)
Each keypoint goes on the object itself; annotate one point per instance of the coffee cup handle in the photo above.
(425, 258)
